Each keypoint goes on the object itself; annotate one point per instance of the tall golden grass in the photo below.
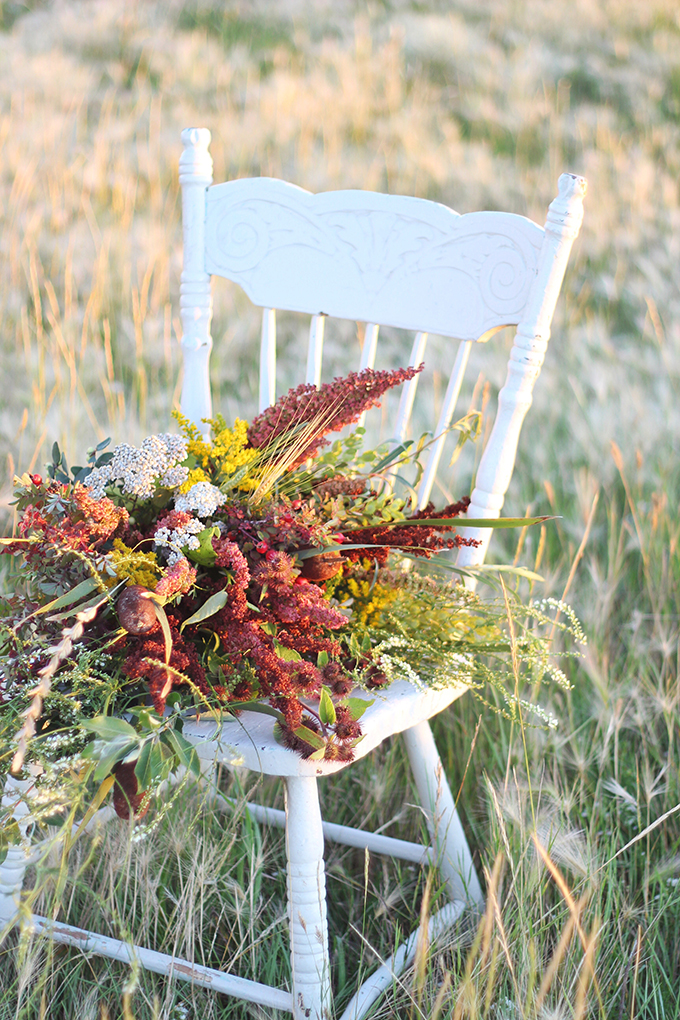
(480, 105)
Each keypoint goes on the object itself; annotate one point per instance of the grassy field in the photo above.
(478, 105)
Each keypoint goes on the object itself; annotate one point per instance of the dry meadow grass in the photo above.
(478, 105)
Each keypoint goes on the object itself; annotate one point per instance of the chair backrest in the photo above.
(384, 260)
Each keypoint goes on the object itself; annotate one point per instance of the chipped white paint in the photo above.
(310, 962)
(161, 963)
(378, 259)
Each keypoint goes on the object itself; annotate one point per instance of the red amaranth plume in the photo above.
(421, 540)
(333, 406)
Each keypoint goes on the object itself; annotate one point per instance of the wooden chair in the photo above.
(378, 259)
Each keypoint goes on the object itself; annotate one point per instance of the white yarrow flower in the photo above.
(140, 470)
(179, 539)
(202, 499)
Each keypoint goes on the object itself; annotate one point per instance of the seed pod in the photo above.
(136, 611)
(128, 800)
(319, 568)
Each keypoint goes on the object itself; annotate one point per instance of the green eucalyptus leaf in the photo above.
(109, 728)
(327, 712)
(287, 654)
(205, 555)
(356, 706)
(208, 609)
(392, 456)
(143, 766)
(74, 595)
(475, 522)
(185, 751)
(162, 618)
(310, 737)
(255, 706)
(157, 767)
(99, 599)
(305, 554)
(148, 719)
(110, 755)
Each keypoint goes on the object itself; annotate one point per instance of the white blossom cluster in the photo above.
(178, 539)
(453, 668)
(140, 470)
(202, 499)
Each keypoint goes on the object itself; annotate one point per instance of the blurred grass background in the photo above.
(479, 105)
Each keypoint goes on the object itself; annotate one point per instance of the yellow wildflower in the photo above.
(228, 453)
(133, 566)
(196, 444)
(196, 475)
(368, 602)
(369, 612)
(229, 449)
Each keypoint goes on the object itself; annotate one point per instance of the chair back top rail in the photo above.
(359, 255)
(378, 259)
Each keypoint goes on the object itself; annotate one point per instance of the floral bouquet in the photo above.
(261, 569)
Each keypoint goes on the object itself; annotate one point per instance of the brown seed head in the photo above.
(319, 568)
(136, 610)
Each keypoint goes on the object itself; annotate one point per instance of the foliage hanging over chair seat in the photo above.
(246, 571)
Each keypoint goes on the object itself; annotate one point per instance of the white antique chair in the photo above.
(378, 259)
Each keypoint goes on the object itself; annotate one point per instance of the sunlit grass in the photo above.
(478, 105)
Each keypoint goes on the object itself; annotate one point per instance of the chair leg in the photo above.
(307, 901)
(452, 852)
(12, 871)
(13, 868)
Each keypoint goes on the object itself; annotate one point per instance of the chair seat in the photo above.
(248, 740)
(384, 259)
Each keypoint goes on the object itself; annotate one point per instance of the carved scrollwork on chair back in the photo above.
(378, 258)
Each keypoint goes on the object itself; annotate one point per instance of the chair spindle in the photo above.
(445, 418)
(268, 359)
(315, 350)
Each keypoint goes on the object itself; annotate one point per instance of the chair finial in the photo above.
(195, 163)
(565, 213)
